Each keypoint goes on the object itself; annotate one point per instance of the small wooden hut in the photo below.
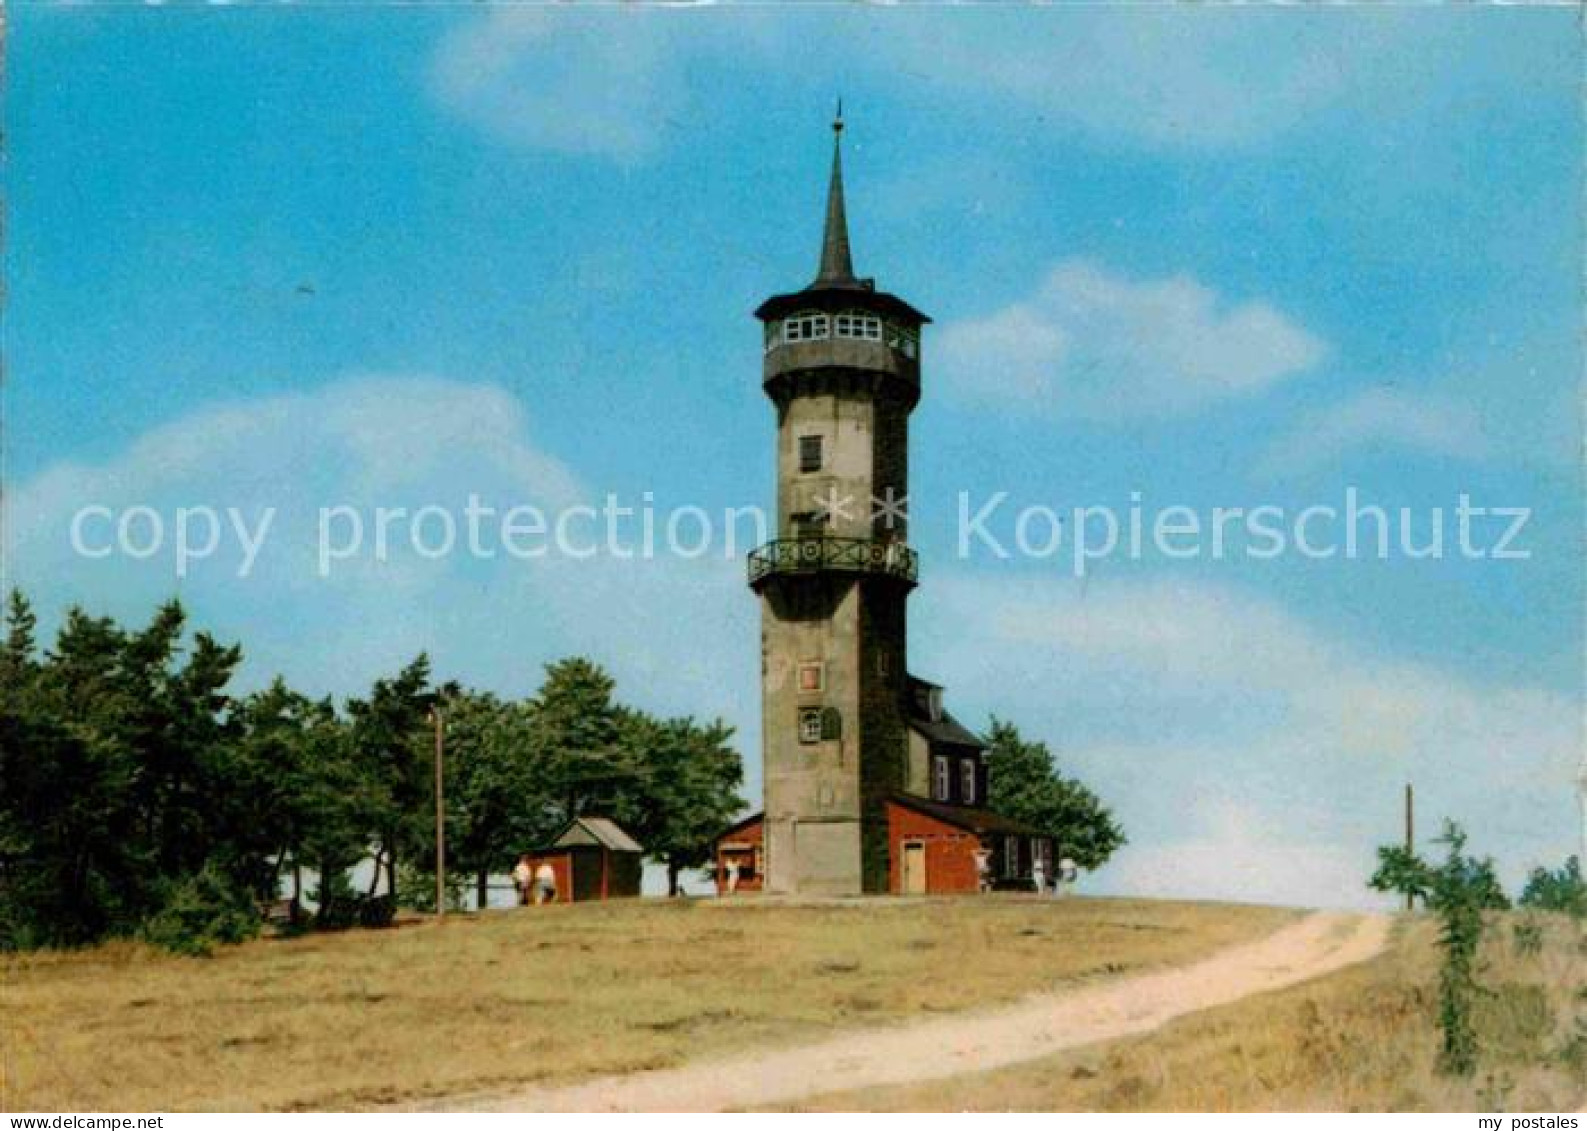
(592, 858)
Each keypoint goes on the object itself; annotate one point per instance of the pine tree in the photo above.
(1023, 782)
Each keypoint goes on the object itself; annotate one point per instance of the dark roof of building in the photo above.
(741, 824)
(967, 816)
(836, 286)
(944, 729)
(596, 832)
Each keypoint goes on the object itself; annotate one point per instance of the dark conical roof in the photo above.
(837, 264)
(835, 284)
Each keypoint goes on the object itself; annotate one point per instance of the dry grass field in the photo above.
(1363, 1039)
(555, 994)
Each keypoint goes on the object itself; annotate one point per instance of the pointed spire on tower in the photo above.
(837, 267)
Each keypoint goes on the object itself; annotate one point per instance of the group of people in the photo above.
(535, 885)
(1068, 872)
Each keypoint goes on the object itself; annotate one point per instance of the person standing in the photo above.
(731, 869)
(983, 869)
(545, 883)
(522, 879)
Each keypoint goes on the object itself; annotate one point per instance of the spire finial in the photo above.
(837, 265)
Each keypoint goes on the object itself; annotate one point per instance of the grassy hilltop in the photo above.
(506, 1000)
(547, 995)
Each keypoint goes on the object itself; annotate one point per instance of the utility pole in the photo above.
(1410, 836)
(440, 812)
(1581, 796)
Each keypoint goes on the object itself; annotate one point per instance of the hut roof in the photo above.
(601, 832)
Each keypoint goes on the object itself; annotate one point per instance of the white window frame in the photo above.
(941, 779)
(858, 324)
(806, 326)
(810, 725)
(967, 780)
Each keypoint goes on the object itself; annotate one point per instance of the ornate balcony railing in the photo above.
(846, 555)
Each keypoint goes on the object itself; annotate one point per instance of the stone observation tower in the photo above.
(842, 367)
(870, 785)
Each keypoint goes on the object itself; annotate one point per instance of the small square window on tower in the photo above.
(810, 725)
(812, 676)
(809, 453)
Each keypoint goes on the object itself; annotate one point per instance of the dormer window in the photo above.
(934, 704)
(809, 326)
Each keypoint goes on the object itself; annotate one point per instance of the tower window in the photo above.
(967, 781)
(939, 778)
(903, 339)
(810, 725)
(809, 453)
(856, 325)
(812, 676)
(806, 327)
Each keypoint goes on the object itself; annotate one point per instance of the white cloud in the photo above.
(1374, 422)
(1237, 853)
(1093, 343)
(607, 81)
(566, 81)
(1177, 78)
(386, 441)
(1221, 723)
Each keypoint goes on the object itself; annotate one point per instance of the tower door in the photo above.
(914, 868)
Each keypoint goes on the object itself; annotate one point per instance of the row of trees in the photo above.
(141, 795)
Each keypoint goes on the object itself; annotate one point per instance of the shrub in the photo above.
(1564, 890)
(201, 912)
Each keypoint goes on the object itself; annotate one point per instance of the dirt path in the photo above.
(1039, 1026)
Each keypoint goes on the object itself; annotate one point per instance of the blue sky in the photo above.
(307, 256)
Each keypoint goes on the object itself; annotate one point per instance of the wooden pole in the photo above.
(440, 814)
(1410, 835)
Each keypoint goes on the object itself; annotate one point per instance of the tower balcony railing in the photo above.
(844, 555)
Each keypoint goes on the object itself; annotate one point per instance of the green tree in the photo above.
(392, 748)
(1460, 890)
(689, 788)
(579, 742)
(113, 748)
(1563, 890)
(1024, 782)
(501, 798)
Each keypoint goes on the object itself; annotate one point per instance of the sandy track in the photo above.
(1319, 944)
